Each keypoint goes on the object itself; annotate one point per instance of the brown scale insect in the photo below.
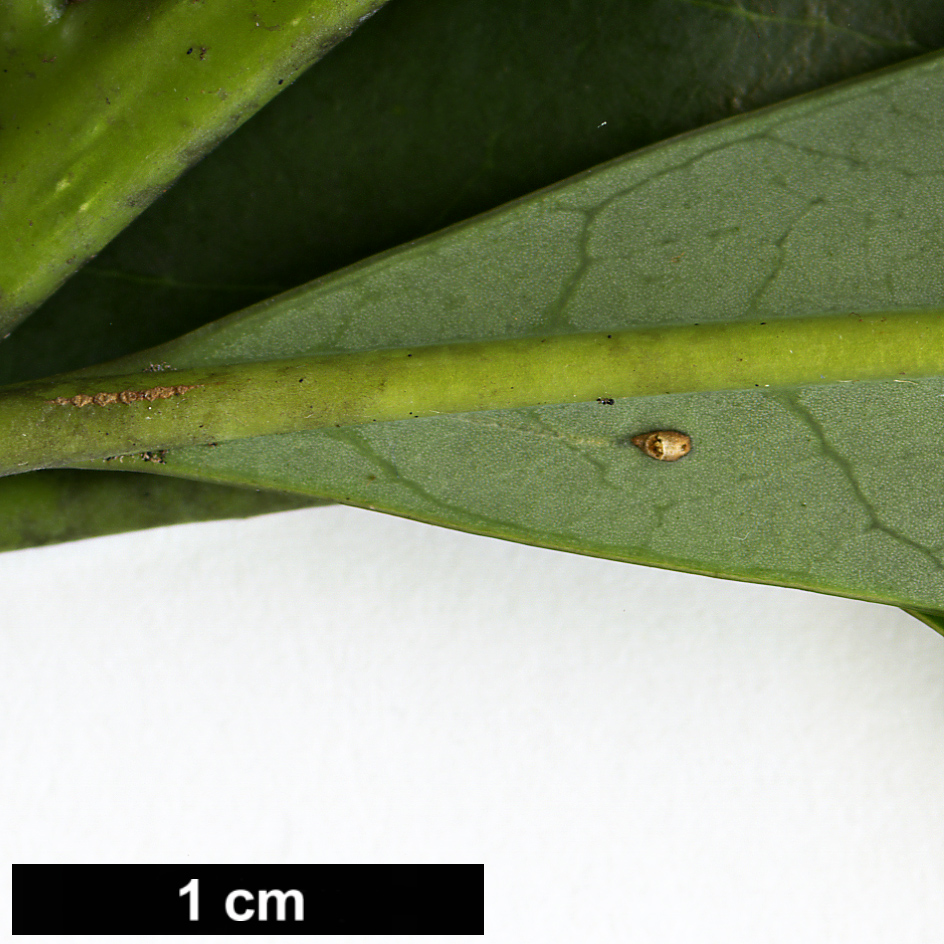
(667, 445)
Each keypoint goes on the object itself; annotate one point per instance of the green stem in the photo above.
(58, 422)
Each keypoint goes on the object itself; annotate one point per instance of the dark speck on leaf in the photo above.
(190, 50)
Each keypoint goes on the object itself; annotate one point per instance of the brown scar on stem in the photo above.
(124, 396)
(155, 455)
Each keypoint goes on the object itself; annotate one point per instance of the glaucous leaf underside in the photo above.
(828, 204)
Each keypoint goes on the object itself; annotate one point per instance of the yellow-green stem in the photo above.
(63, 421)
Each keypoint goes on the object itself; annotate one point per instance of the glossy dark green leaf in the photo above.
(103, 105)
(830, 204)
(63, 505)
(434, 111)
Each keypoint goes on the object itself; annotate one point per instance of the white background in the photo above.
(635, 755)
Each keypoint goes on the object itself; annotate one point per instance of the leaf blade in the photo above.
(469, 115)
(67, 505)
(145, 91)
(861, 534)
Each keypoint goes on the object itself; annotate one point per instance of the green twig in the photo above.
(66, 420)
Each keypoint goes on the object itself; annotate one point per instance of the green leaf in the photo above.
(429, 114)
(829, 204)
(468, 115)
(63, 505)
(104, 105)
(934, 620)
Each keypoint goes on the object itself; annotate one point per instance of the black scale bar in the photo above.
(248, 899)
